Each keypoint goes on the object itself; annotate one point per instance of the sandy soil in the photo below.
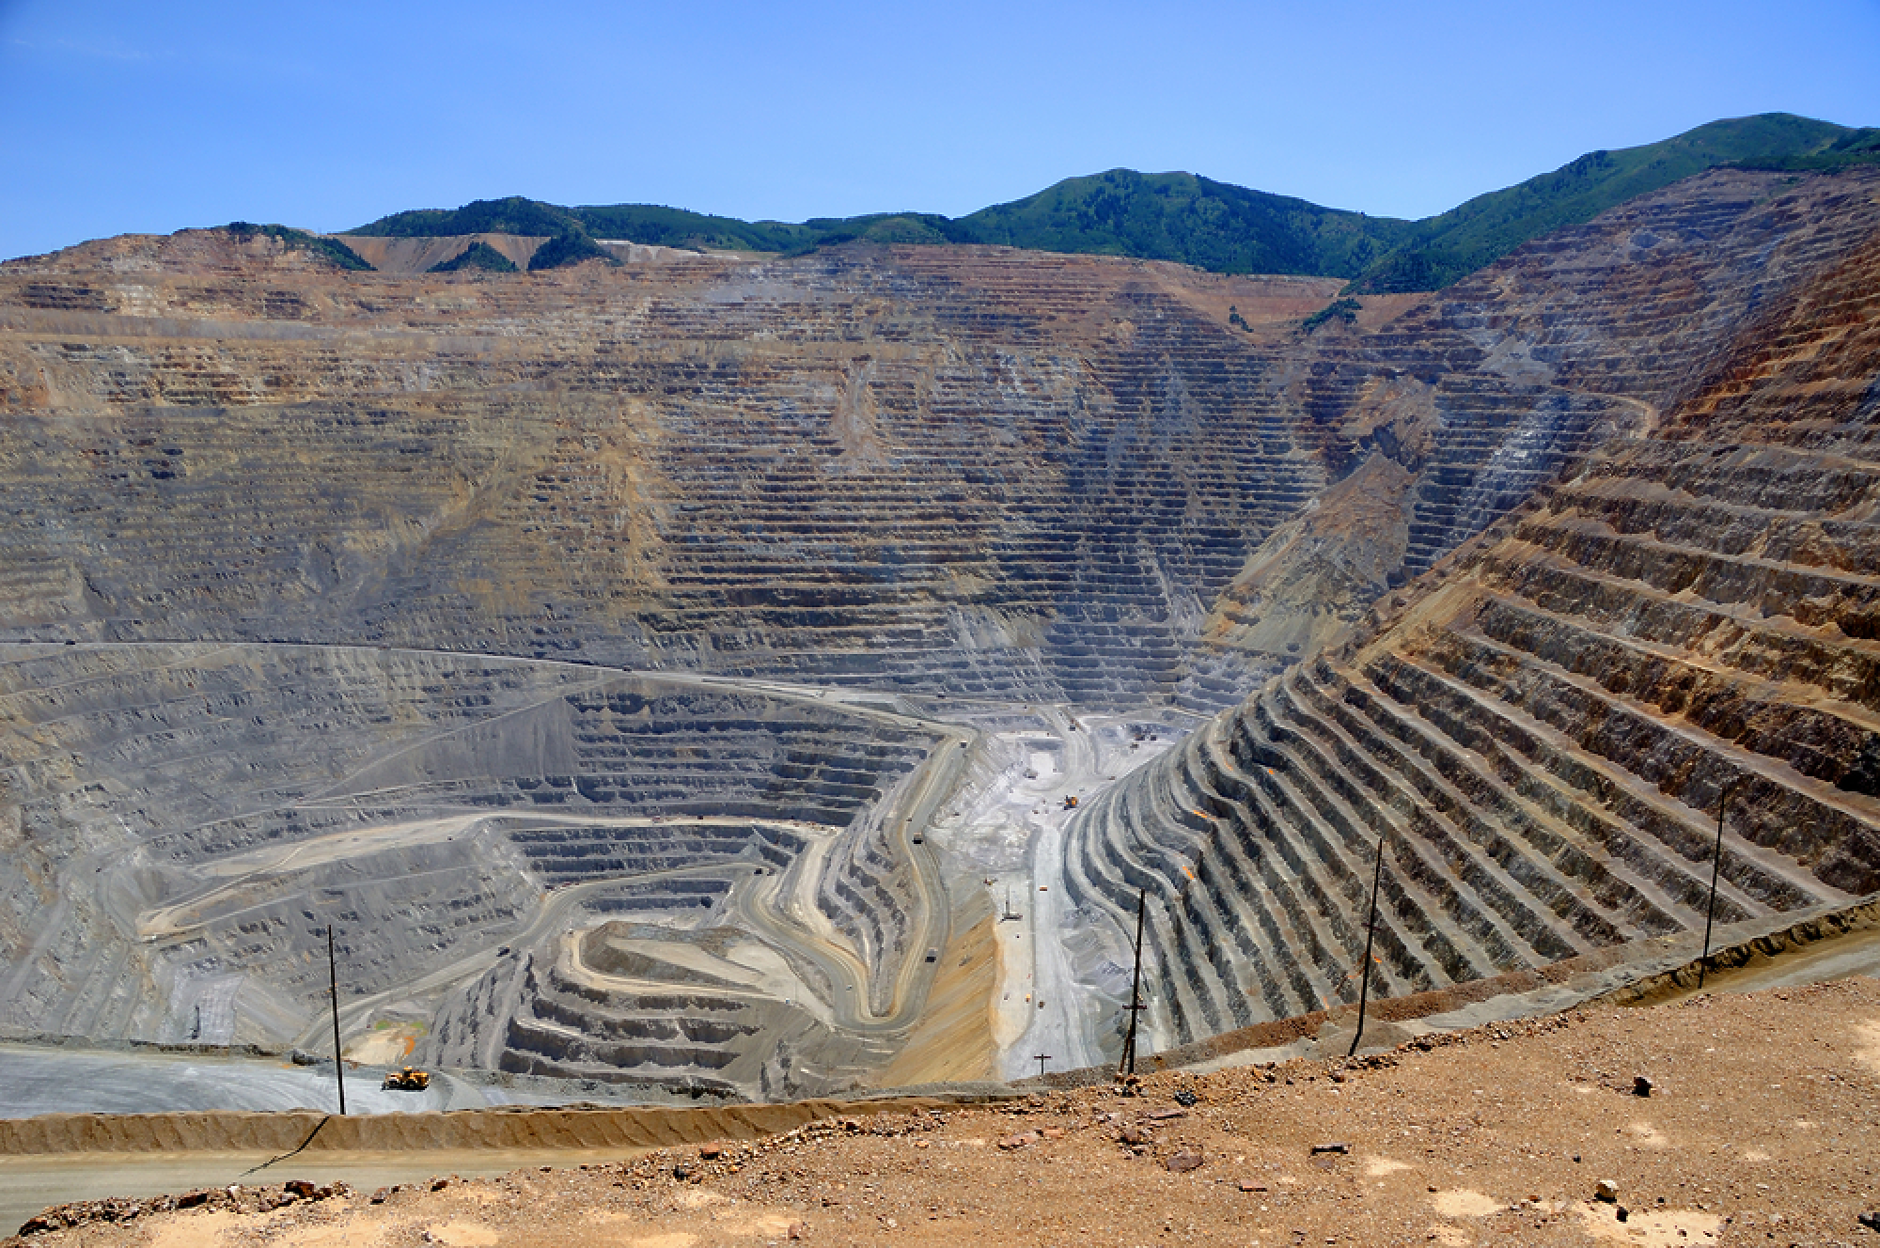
(1762, 1126)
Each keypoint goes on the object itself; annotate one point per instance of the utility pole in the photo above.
(1042, 1059)
(339, 1061)
(1135, 988)
(1716, 864)
(1370, 936)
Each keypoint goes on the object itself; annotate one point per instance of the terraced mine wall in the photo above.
(993, 473)
(1542, 731)
(320, 593)
(185, 821)
(972, 471)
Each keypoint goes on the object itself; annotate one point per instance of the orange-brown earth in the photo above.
(1760, 1127)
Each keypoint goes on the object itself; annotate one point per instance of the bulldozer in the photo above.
(407, 1080)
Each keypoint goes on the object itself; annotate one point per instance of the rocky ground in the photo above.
(1758, 1123)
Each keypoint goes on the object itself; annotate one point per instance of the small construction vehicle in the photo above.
(1070, 803)
(407, 1080)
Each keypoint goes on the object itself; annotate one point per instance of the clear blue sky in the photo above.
(138, 117)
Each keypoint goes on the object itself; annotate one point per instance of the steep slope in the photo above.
(1445, 248)
(952, 469)
(1462, 405)
(974, 470)
(1542, 730)
(184, 822)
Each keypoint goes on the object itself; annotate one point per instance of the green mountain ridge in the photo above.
(1197, 221)
(1191, 219)
(1451, 245)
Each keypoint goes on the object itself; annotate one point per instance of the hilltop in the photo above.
(1198, 221)
(1449, 247)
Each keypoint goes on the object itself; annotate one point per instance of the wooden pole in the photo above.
(1042, 1059)
(1370, 936)
(339, 1061)
(1716, 864)
(1135, 987)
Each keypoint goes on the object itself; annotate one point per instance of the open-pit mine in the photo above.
(673, 675)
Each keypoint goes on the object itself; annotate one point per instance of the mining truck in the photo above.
(407, 1080)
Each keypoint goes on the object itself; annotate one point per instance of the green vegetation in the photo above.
(1853, 147)
(331, 250)
(514, 215)
(1169, 216)
(638, 223)
(567, 249)
(1190, 219)
(478, 255)
(1194, 220)
(1449, 247)
(886, 228)
(1345, 310)
(673, 227)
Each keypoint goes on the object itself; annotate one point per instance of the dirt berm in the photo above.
(501, 1128)
(1760, 954)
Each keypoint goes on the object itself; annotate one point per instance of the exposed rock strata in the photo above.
(972, 470)
(291, 555)
(185, 821)
(1544, 729)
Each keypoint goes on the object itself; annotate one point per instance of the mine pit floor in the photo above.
(42, 1080)
(1008, 819)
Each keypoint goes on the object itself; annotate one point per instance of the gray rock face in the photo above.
(189, 819)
